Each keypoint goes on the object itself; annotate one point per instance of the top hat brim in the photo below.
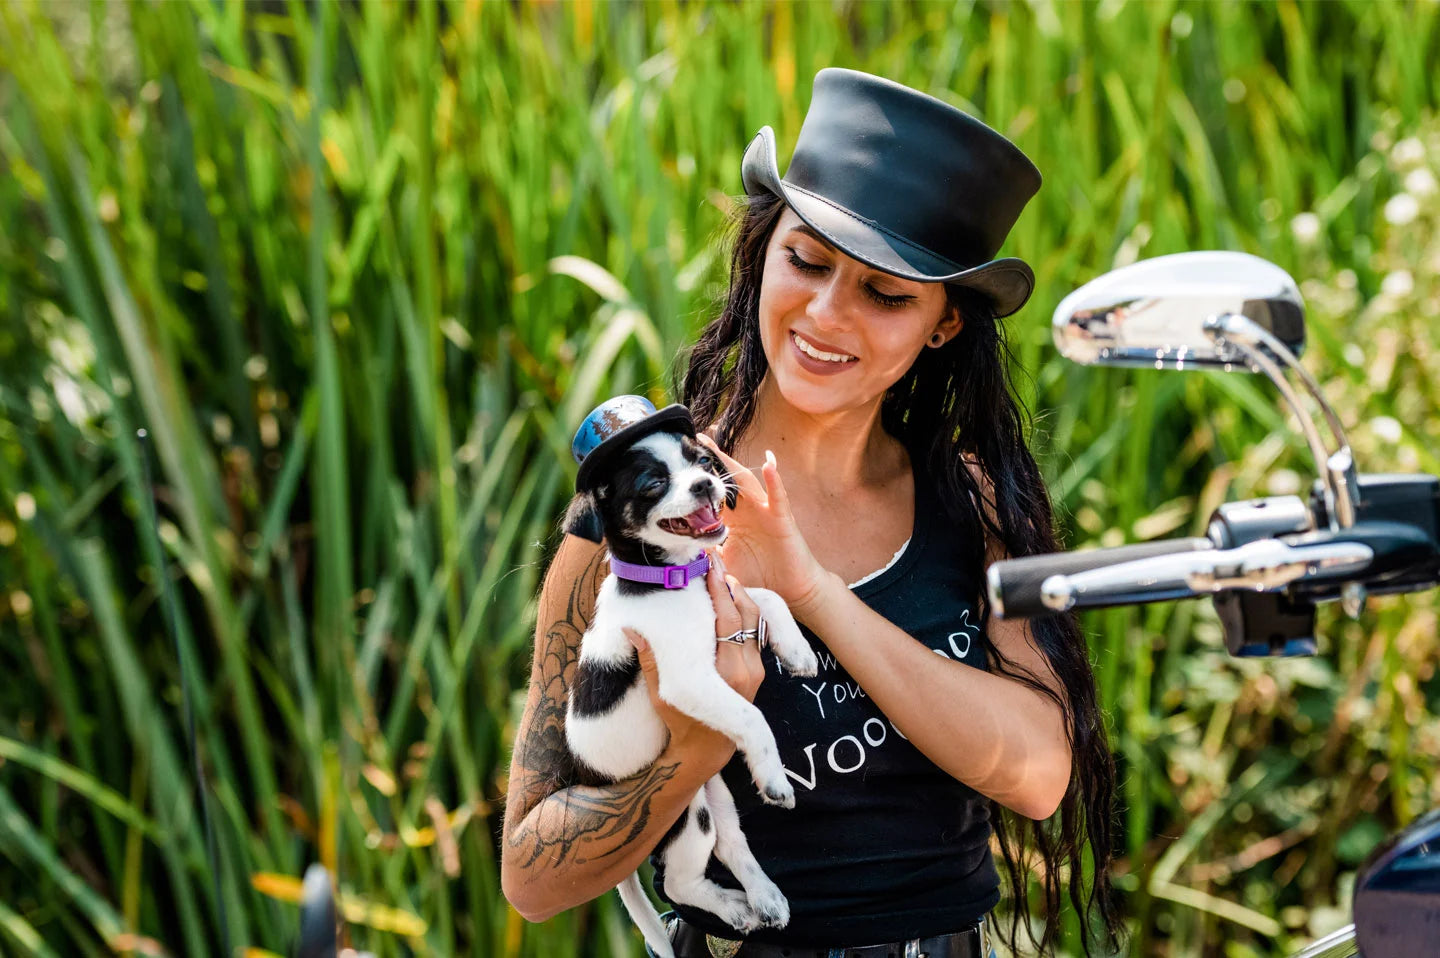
(673, 418)
(1007, 282)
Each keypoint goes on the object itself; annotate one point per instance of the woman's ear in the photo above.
(950, 324)
(582, 518)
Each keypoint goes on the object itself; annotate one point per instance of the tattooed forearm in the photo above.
(541, 759)
(582, 835)
(582, 824)
(549, 813)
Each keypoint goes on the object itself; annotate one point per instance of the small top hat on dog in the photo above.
(904, 183)
(614, 425)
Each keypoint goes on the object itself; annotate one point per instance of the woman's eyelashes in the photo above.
(889, 302)
(803, 265)
(879, 298)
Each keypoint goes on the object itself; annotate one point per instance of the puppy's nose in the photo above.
(701, 488)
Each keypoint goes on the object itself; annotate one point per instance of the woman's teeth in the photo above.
(819, 354)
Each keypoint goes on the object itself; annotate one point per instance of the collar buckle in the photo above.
(676, 576)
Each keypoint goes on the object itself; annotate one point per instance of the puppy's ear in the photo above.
(583, 518)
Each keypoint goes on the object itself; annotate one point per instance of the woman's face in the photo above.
(838, 333)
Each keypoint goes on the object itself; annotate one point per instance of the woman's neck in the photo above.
(833, 452)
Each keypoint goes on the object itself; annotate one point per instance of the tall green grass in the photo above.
(359, 269)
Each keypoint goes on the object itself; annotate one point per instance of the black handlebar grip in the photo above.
(1015, 583)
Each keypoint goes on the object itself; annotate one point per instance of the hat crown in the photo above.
(614, 425)
(606, 420)
(904, 183)
(914, 166)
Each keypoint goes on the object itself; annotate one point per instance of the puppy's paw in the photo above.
(801, 661)
(771, 907)
(777, 791)
(734, 910)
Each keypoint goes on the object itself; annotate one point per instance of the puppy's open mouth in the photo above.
(703, 522)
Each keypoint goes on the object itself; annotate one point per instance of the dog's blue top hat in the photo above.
(615, 424)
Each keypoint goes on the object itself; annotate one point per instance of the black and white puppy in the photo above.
(659, 504)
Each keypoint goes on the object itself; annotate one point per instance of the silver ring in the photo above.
(763, 636)
(739, 636)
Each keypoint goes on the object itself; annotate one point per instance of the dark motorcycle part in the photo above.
(1283, 623)
(1397, 895)
(1405, 558)
(1263, 623)
(1266, 624)
(1397, 497)
(1411, 500)
(1015, 590)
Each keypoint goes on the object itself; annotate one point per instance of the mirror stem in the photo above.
(1336, 471)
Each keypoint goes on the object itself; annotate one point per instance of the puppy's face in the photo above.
(664, 490)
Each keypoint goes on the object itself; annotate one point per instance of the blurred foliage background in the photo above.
(358, 269)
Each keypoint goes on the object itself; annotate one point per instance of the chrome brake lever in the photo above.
(1263, 566)
(1268, 565)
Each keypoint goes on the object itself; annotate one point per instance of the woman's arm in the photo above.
(999, 736)
(995, 734)
(565, 844)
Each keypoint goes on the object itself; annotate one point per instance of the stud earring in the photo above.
(937, 340)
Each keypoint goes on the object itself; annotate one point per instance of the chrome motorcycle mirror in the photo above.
(1154, 313)
(1211, 309)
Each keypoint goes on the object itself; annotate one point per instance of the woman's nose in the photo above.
(827, 305)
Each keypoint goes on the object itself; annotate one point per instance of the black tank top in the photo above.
(881, 844)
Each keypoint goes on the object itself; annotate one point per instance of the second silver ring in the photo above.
(740, 636)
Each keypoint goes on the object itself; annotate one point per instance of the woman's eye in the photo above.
(886, 300)
(804, 266)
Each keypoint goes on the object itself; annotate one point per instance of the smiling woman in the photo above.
(859, 354)
(836, 331)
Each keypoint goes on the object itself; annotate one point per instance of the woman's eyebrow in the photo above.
(810, 232)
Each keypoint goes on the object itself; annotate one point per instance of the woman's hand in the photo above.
(738, 664)
(765, 546)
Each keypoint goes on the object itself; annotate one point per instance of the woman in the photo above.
(858, 351)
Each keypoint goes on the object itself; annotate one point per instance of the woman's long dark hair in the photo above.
(952, 407)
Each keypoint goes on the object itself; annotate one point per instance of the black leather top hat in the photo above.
(904, 183)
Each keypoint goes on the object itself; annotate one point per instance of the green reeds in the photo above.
(359, 269)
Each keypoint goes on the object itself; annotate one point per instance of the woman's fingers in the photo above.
(647, 659)
(739, 662)
(779, 500)
(744, 478)
(767, 487)
(727, 616)
(749, 611)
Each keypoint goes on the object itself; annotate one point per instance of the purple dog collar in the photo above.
(670, 576)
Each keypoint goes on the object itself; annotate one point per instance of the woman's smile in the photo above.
(819, 358)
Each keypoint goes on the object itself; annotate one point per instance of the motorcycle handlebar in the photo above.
(1014, 584)
(1316, 564)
